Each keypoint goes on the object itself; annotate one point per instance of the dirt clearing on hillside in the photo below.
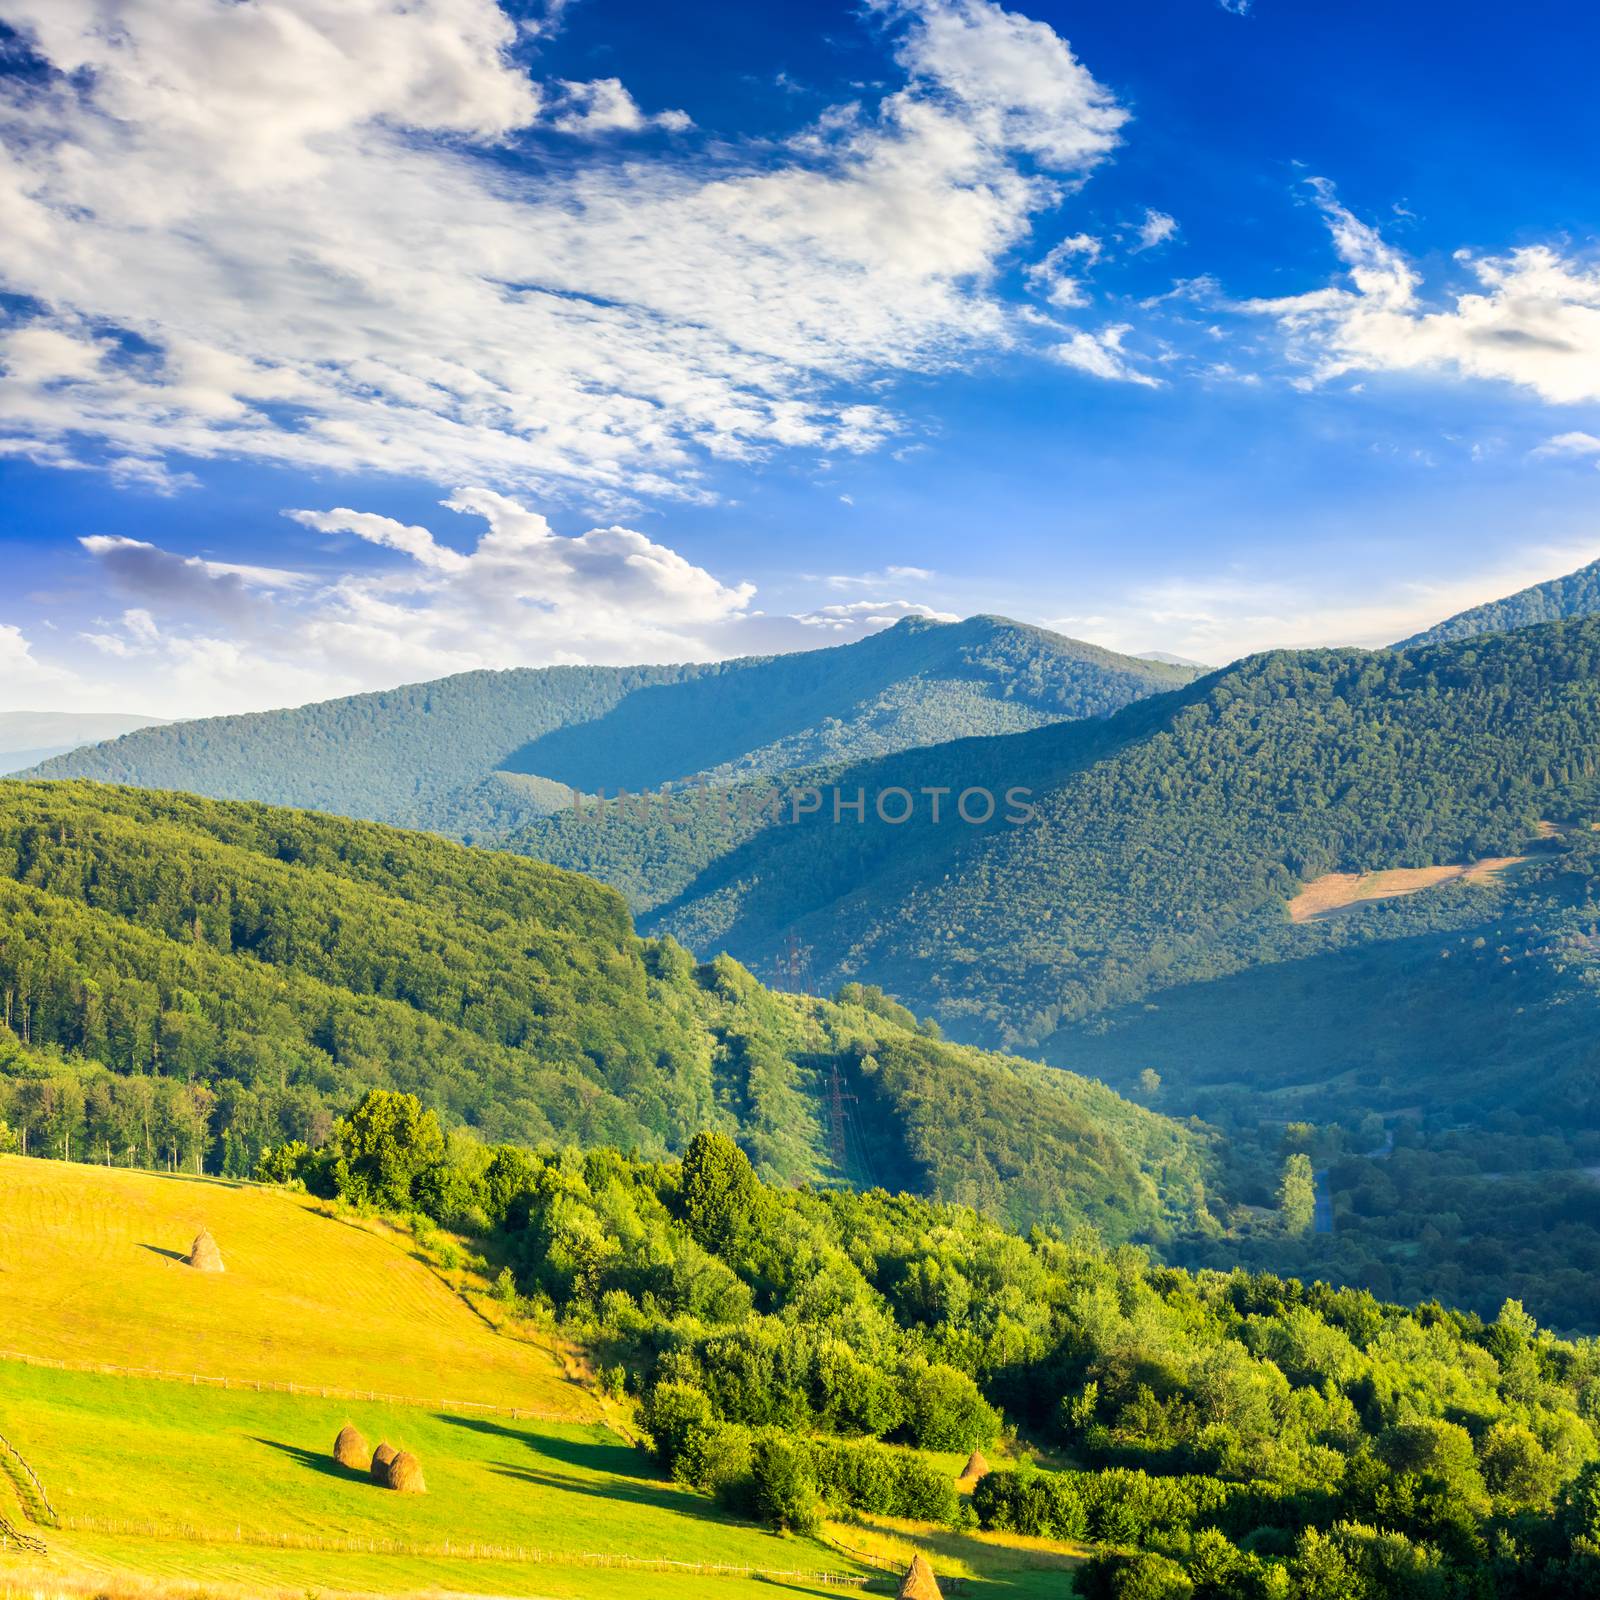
(1337, 892)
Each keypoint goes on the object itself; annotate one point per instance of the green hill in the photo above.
(188, 981)
(1171, 837)
(478, 755)
(1559, 600)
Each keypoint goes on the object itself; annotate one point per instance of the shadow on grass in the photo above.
(318, 1462)
(171, 1255)
(609, 1455)
(629, 1491)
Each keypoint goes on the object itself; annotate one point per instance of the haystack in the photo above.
(975, 1468)
(405, 1474)
(919, 1582)
(350, 1449)
(381, 1457)
(203, 1253)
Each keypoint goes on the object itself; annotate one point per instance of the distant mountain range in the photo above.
(478, 755)
(29, 737)
(1129, 924)
(1559, 600)
(1170, 839)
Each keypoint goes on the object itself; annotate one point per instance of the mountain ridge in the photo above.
(1174, 832)
(424, 754)
(1567, 598)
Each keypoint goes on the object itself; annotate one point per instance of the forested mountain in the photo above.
(478, 755)
(1559, 600)
(188, 980)
(1170, 837)
(28, 737)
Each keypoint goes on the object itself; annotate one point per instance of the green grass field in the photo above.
(169, 1488)
(235, 1473)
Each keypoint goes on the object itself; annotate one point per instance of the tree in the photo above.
(785, 1484)
(944, 1410)
(1518, 1469)
(384, 1146)
(719, 1190)
(1297, 1195)
(1149, 1083)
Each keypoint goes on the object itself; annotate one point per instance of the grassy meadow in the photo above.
(143, 1469)
(166, 1488)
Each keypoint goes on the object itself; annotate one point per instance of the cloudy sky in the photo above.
(352, 342)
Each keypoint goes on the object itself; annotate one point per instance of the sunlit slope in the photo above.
(90, 1272)
(160, 1480)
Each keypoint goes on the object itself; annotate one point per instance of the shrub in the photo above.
(861, 1475)
(784, 1489)
(944, 1410)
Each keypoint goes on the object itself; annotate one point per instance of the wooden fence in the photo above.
(13, 1538)
(28, 1484)
(322, 1391)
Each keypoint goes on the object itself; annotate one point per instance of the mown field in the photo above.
(91, 1268)
(163, 1487)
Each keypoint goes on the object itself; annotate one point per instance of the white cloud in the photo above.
(1102, 356)
(1060, 288)
(191, 636)
(869, 615)
(1576, 444)
(19, 667)
(878, 580)
(1156, 229)
(415, 542)
(604, 106)
(1017, 81)
(288, 232)
(1536, 324)
(1240, 8)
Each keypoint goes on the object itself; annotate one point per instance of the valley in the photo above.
(682, 1281)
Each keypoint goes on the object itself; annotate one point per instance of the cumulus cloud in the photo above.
(1569, 445)
(1015, 79)
(195, 636)
(1156, 229)
(305, 232)
(1102, 356)
(19, 667)
(604, 106)
(418, 543)
(869, 615)
(1049, 277)
(1535, 323)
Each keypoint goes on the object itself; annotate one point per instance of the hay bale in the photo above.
(405, 1474)
(381, 1457)
(203, 1253)
(919, 1582)
(350, 1449)
(975, 1468)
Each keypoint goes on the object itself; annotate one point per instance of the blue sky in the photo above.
(348, 342)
